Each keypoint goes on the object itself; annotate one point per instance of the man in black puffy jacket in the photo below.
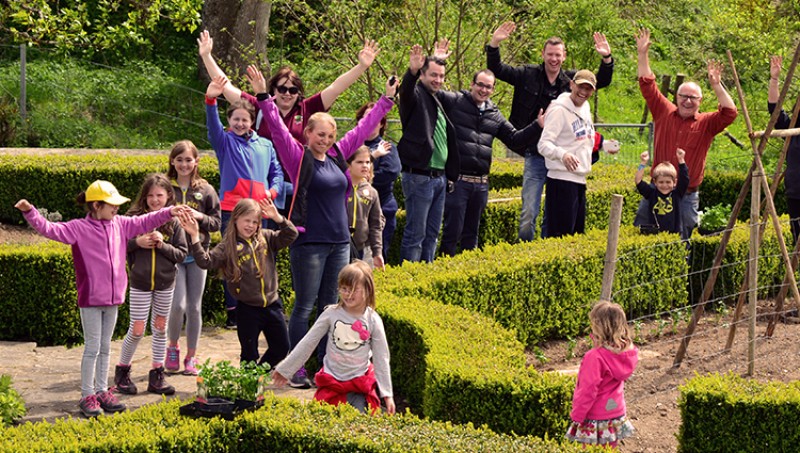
(477, 122)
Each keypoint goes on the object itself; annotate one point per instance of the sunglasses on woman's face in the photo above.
(283, 89)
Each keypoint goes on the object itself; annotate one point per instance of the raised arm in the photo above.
(501, 70)
(643, 159)
(355, 137)
(773, 92)
(715, 80)
(204, 47)
(642, 50)
(216, 131)
(289, 150)
(365, 58)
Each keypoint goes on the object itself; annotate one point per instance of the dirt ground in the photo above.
(651, 393)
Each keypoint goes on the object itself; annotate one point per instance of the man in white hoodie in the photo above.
(566, 144)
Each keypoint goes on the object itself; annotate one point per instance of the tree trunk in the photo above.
(240, 30)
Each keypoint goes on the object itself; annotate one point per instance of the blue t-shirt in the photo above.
(326, 215)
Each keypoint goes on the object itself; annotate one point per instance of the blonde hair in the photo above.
(358, 273)
(231, 270)
(665, 169)
(320, 117)
(609, 326)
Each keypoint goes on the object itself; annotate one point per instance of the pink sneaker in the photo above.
(190, 366)
(173, 363)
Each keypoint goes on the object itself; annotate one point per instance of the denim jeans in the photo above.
(424, 209)
(533, 178)
(389, 210)
(98, 326)
(462, 216)
(230, 301)
(690, 205)
(315, 278)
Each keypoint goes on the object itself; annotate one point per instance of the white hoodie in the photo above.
(567, 129)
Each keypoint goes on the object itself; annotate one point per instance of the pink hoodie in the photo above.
(599, 393)
(98, 251)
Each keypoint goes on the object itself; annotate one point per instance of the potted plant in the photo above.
(714, 219)
(225, 390)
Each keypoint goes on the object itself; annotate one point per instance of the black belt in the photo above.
(429, 172)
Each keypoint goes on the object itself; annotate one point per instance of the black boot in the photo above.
(230, 323)
(122, 380)
(157, 383)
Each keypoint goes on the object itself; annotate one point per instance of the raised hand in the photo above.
(23, 205)
(382, 149)
(714, 73)
(366, 56)
(189, 224)
(416, 58)
(642, 40)
(204, 44)
(391, 86)
(268, 209)
(216, 86)
(441, 49)
(502, 33)
(644, 158)
(256, 79)
(775, 63)
(681, 155)
(601, 44)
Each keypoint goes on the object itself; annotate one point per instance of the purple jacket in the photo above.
(599, 393)
(98, 251)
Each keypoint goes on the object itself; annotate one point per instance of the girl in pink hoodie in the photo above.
(598, 404)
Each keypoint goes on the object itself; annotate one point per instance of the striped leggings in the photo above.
(140, 303)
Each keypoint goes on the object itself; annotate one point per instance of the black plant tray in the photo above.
(219, 407)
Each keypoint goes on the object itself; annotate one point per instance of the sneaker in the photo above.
(300, 380)
(122, 380)
(109, 403)
(158, 384)
(190, 366)
(173, 363)
(230, 323)
(90, 407)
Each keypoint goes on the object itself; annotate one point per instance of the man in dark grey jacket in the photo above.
(477, 122)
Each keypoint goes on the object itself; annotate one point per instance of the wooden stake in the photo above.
(755, 199)
(610, 261)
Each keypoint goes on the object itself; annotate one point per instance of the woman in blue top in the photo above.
(319, 174)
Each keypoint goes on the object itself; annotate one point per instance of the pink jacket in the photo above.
(98, 251)
(599, 393)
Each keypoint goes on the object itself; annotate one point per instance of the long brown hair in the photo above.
(140, 207)
(609, 326)
(231, 270)
(179, 148)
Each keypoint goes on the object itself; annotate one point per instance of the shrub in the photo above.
(12, 408)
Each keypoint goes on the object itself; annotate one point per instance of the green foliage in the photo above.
(138, 105)
(12, 408)
(112, 28)
(715, 217)
(227, 381)
(282, 425)
(722, 413)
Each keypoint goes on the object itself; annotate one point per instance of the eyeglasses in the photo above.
(347, 292)
(484, 86)
(689, 97)
(283, 89)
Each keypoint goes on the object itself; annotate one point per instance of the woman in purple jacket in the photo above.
(319, 174)
(99, 242)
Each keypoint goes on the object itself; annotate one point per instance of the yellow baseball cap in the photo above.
(105, 191)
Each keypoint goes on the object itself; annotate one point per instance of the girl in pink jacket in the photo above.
(598, 404)
(99, 243)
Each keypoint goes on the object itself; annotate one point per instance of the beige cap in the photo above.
(105, 191)
(585, 76)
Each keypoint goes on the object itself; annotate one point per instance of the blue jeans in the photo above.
(462, 216)
(533, 179)
(389, 210)
(230, 301)
(315, 279)
(690, 205)
(424, 209)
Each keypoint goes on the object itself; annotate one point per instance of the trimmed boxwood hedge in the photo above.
(722, 413)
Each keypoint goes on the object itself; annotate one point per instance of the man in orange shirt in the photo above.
(683, 126)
